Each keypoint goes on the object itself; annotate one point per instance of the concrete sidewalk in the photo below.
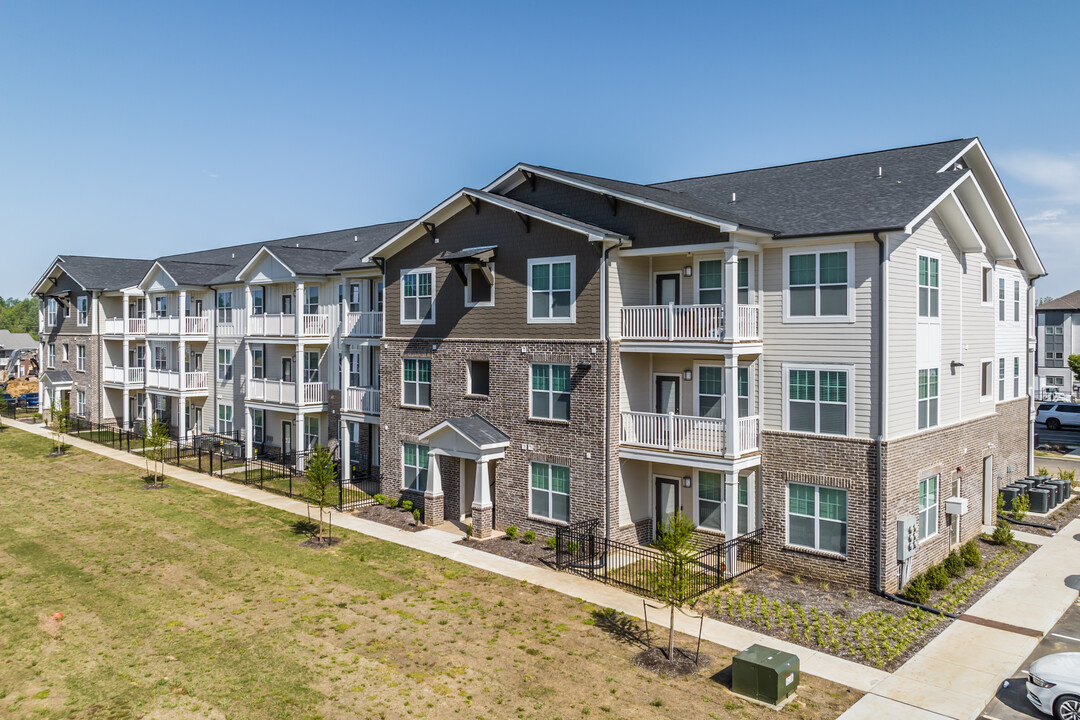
(960, 670)
(438, 542)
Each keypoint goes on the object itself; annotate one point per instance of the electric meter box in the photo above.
(764, 674)
(907, 537)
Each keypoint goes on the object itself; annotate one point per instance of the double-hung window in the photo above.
(224, 307)
(710, 391)
(744, 392)
(817, 400)
(711, 282)
(257, 426)
(161, 306)
(550, 397)
(817, 285)
(1001, 379)
(82, 312)
(258, 300)
(744, 504)
(551, 290)
(311, 366)
(258, 362)
(417, 296)
(311, 300)
(224, 419)
(929, 287)
(415, 467)
(1001, 299)
(1016, 301)
(51, 312)
(710, 496)
(550, 491)
(817, 518)
(928, 398)
(80, 403)
(161, 357)
(744, 281)
(224, 359)
(416, 378)
(52, 355)
(1016, 376)
(311, 432)
(80, 357)
(928, 507)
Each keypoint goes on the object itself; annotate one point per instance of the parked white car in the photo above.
(1058, 415)
(1053, 685)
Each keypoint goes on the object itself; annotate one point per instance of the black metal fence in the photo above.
(642, 570)
(17, 411)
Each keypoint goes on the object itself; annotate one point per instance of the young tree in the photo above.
(674, 575)
(157, 438)
(60, 419)
(321, 475)
(1074, 365)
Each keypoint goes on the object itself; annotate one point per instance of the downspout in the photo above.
(606, 297)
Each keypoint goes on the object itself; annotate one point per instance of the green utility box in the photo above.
(765, 674)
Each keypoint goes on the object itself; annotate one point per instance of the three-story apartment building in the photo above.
(814, 350)
(1058, 336)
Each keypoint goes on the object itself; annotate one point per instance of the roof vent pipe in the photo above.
(732, 198)
(879, 172)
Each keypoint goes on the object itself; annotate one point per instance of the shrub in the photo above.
(407, 505)
(970, 554)
(1002, 533)
(379, 498)
(468, 531)
(415, 514)
(1001, 503)
(918, 590)
(1069, 475)
(1021, 505)
(954, 564)
(529, 538)
(551, 543)
(937, 577)
(512, 532)
(1042, 471)
(391, 502)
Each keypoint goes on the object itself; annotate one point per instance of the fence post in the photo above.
(592, 556)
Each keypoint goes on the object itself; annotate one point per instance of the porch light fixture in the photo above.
(686, 481)
(688, 375)
(688, 270)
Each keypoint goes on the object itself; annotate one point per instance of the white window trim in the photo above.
(550, 393)
(696, 387)
(697, 499)
(51, 312)
(817, 520)
(80, 403)
(529, 319)
(550, 492)
(918, 400)
(82, 317)
(708, 257)
(260, 426)
(50, 352)
(229, 364)
(80, 358)
(65, 357)
(992, 385)
(427, 479)
(849, 369)
(469, 378)
(417, 382)
(219, 420)
(468, 286)
(983, 267)
(818, 250)
(401, 294)
(935, 319)
(1017, 302)
(1016, 376)
(935, 506)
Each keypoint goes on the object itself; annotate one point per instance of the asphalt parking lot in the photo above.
(1011, 702)
(1065, 435)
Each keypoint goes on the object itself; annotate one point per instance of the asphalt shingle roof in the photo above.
(10, 340)
(100, 273)
(478, 430)
(1065, 302)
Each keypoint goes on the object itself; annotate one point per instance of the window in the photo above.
(224, 359)
(744, 504)
(817, 517)
(817, 284)
(379, 296)
(479, 372)
(161, 306)
(711, 282)
(550, 397)
(987, 379)
(82, 314)
(929, 287)
(311, 300)
(744, 281)
(550, 496)
(80, 403)
(1001, 299)
(415, 464)
(818, 401)
(355, 378)
(52, 355)
(480, 290)
(416, 375)
(744, 392)
(224, 419)
(928, 507)
(551, 290)
(1001, 379)
(65, 349)
(710, 506)
(311, 366)
(258, 362)
(80, 357)
(51, 305)
(710, 391)
(224, 307)
(417, 297)
(928, 398)
(1016, 301)
(987, 285)
(356, 455)
(311, 432)
(161, 358)
(1016, 376)
(258, 301)
(257, 425)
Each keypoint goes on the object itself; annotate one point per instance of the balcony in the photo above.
(364, 324)
(283, 392)
(116, 326)
(116, 375)
(688, 434)
(173, 325)
(688, 323)
(170, 380)
(283, 325)
(362, 400)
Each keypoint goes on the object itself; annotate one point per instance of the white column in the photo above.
(127, 403)
(298, 308)
(300, 372)
(731, 295)
(731, 404)
(731, 518)
(183, 417)
(249, 435)
(183, 308)
(481, 492)
(300, 442)
(126, 313)
(127, 349)
(181, 350)
(344, 371)
(346, 452)
(148, 413)
(434, 477)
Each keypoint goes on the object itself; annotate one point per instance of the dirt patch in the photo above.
(684, 662)
(394, 517)
(535, 553)
(1066, 513)
(154, 486)
(323, 544)
(833, 598)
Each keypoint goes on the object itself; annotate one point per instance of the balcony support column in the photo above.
(249, 433)
(301, 374)
(299, 309)
(183, 311)
(181, 361)
(346, 359)
(731, 295)
(126, 315)
(183, 424)
(301, 440)
(346, 456)
(731, 405)
(148, 412)
(127, 403)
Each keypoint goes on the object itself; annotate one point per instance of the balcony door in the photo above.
(286, 369)
(666, 394)
(286, 437)
(667, 500)
(667, 288)
(286, 305)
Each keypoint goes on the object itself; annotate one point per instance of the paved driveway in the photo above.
(1066, 436)
(1011, 702)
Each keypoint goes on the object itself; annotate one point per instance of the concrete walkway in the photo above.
(438, 542)
(960, 670)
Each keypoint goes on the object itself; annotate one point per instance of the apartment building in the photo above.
(1057, 327)
(815, 350)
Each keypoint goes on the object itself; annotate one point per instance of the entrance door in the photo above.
(286, 437)
(667, 500)
(989, 496)
(667, 394)
(667, 289)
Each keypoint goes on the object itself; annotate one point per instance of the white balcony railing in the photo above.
(749, 434)
(166, 325)
(682, 433)
(284, 391)
(362, 399)
(282, 325)
(170, 380)
(364, 324)
(115, 374)
(195, 380)
(136, 326)
(196, 325)
(687, 322)
(115, 326)
(316, 325)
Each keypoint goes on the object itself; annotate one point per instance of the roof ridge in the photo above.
(803, 162)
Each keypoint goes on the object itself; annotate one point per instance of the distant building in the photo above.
(10, 342)
(1057, 335)
(22, 363)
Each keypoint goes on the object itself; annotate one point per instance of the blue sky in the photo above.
(139, 129)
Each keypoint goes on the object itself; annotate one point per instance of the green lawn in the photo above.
(183, 603)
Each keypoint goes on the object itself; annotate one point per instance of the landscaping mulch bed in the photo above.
(535, 553)
(685, 662)
(394, 517)
(1066, 513)
(317, 544)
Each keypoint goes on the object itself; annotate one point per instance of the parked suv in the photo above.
(1057, 415)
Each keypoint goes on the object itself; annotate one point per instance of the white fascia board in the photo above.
(240, 276)
(948, 165)
(150, 273)
(47, 277)
(978, 208)
(389, 247)
(959, 223)
(910, 227)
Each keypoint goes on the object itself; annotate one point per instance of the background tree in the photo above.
(60, 418)
(321, 474)
(19, 316)
(674, 576)
(1043, 300)
(157, 438)
(1074, 365)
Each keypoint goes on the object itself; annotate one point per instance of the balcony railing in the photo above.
(674, 433)
(115, 326)
(284, 391)
(170, 380)
(195, 380)
(687, 322)
(364, 324)
(115, 374)
(167, 325)
(749, 434)
(196, 325)
(283, 325)
(362, 399)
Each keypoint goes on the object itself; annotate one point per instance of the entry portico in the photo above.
(471, 440)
